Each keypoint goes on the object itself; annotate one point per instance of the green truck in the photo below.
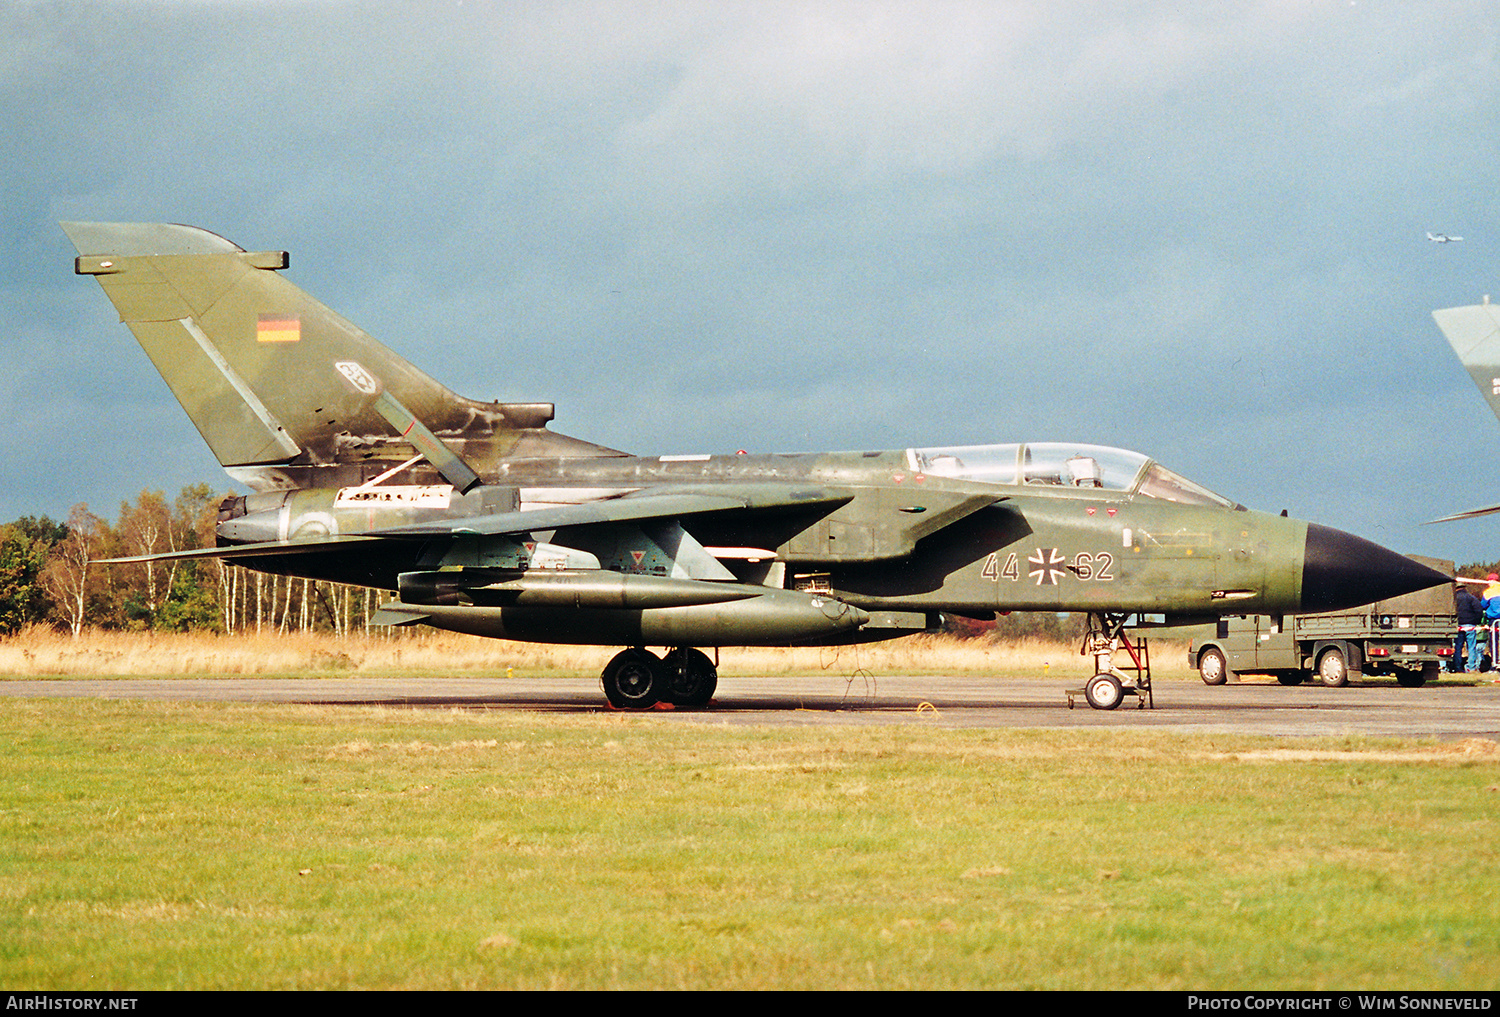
(1409, 637)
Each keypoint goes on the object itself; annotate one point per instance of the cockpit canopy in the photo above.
(1054, 464)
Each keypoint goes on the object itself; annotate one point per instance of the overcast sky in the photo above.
(1194, 230)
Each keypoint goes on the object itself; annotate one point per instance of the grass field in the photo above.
(40, 652)
(208, 846)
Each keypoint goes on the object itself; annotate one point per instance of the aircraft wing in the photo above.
(909, 523)
(655, 503)
(256, 550)
(1470, 514)
(891, 527)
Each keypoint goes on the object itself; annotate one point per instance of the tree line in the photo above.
(50, 575)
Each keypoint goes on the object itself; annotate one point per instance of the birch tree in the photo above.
(68, 578)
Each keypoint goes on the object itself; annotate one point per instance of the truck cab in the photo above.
(1408, 637)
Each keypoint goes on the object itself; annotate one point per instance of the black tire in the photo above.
(1333, 671)
(633, 680)
(1212, 667)
(691, 677)
(1294, 678)
(1104, 692)
(1410, 679)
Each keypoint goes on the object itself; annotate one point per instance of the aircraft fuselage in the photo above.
(878, 535)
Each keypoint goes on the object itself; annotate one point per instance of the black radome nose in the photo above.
(1340, 570)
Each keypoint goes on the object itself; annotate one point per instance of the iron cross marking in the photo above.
(1047, 566)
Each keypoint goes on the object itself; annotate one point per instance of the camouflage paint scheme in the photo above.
(483, 520)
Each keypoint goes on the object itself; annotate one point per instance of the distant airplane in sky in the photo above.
(1442, 238)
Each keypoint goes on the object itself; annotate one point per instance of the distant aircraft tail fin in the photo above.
(286, 392)
(1474, 334)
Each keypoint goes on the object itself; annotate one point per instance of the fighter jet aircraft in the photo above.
(1474, 334)
(481, 519)
(1443, 238)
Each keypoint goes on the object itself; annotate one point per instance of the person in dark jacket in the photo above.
(1470, 611)
(1491, 601)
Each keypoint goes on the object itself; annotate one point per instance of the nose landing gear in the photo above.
(1111, 684)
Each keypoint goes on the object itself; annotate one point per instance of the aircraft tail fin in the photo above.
(1474, 334)
(286, 392)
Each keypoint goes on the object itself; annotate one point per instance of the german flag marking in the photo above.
(278, 328)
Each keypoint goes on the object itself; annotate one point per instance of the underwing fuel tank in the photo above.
(592, 588)
(635, 610)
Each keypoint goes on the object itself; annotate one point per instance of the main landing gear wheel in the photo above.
(634, 680)
(691, 677)
(1104, 692)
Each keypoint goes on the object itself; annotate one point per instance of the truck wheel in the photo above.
(1410, 679)
(1332, 671)
(1104, 692)
(1292, 678)
(1212, 667)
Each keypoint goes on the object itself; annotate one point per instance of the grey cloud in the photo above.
(1197, 232)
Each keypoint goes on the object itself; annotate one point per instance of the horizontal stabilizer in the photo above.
(394, 614)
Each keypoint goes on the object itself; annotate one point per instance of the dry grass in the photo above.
(43, 651)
